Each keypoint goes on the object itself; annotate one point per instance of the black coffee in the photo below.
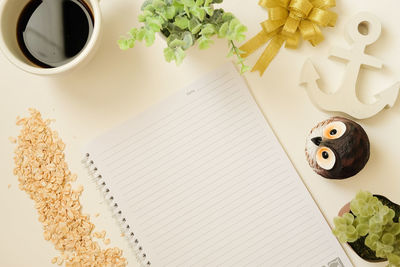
(51, 33)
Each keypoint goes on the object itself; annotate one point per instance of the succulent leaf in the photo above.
(375, 223)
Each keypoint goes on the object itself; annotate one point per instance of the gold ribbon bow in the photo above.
(288, 21)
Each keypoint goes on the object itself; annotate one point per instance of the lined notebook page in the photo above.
(203, 181)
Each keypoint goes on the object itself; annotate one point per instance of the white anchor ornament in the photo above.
(345, 98)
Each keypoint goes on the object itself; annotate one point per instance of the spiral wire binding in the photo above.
(116, 212)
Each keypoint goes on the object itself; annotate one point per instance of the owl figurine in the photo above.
(337, 148)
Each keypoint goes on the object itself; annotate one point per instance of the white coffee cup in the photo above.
(10, 11)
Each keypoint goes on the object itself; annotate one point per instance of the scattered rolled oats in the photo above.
(107, 241)
(103, 234)
(12, 140)
(60, 261)
(74, 177)
(97, 235)
(44, 175)
(9, 186)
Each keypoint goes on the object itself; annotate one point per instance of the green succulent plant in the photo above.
(185, 23)
(371, 220)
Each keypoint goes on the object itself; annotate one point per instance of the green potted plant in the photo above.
(184, 23)
(370, 225)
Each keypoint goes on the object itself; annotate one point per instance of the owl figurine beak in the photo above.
(316, 140)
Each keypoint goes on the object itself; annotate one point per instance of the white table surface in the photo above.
(116, 85)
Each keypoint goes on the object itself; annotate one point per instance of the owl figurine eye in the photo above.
(337, 148)
(334, 130)
(326, 159)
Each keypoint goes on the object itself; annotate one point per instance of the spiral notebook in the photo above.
(201, 180)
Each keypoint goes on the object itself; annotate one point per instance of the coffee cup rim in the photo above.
(95, 8)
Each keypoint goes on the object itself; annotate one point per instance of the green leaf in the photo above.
(178, 5)
(176, 43)
(362, 229)
(187, 11)
(227, 16)
(154, 23)
(350, 230)
(231, 29)
(194, 26)
(244, 69)
(375, 228)
(198, 13)
(188, 3)
(394, 229)
(170, 12)
(204, 42)
(348, 217)
(145, 4)
(149, 36)
(208, 30)
(158, 4)
(125, 44)
(207, 3)
(238, 33)
(149, 7)
(209, 10)
(169, 54)
(181, 22)
(179, 56)
(371, 241)
(188, 40)
(133, 32)
(223, 30)
(394, 259)
(388, 239)
(339, 221)
(172, 37)
(142, 17)
(141, 33)
(364, 195)
(199, 2)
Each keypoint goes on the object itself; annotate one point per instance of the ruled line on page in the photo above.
(197, 193)
(178, 178)
(227, 227)
(187, 154)
(163, 224)
(182, 222)
(256, 228)
(208, 255)
(164, 117)
(188, 117)
(280, 244)
(165, 133)
(169, 237)
(197, 131)
(190, 148)
(260, 213)
(196, 157)
(310, 248)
